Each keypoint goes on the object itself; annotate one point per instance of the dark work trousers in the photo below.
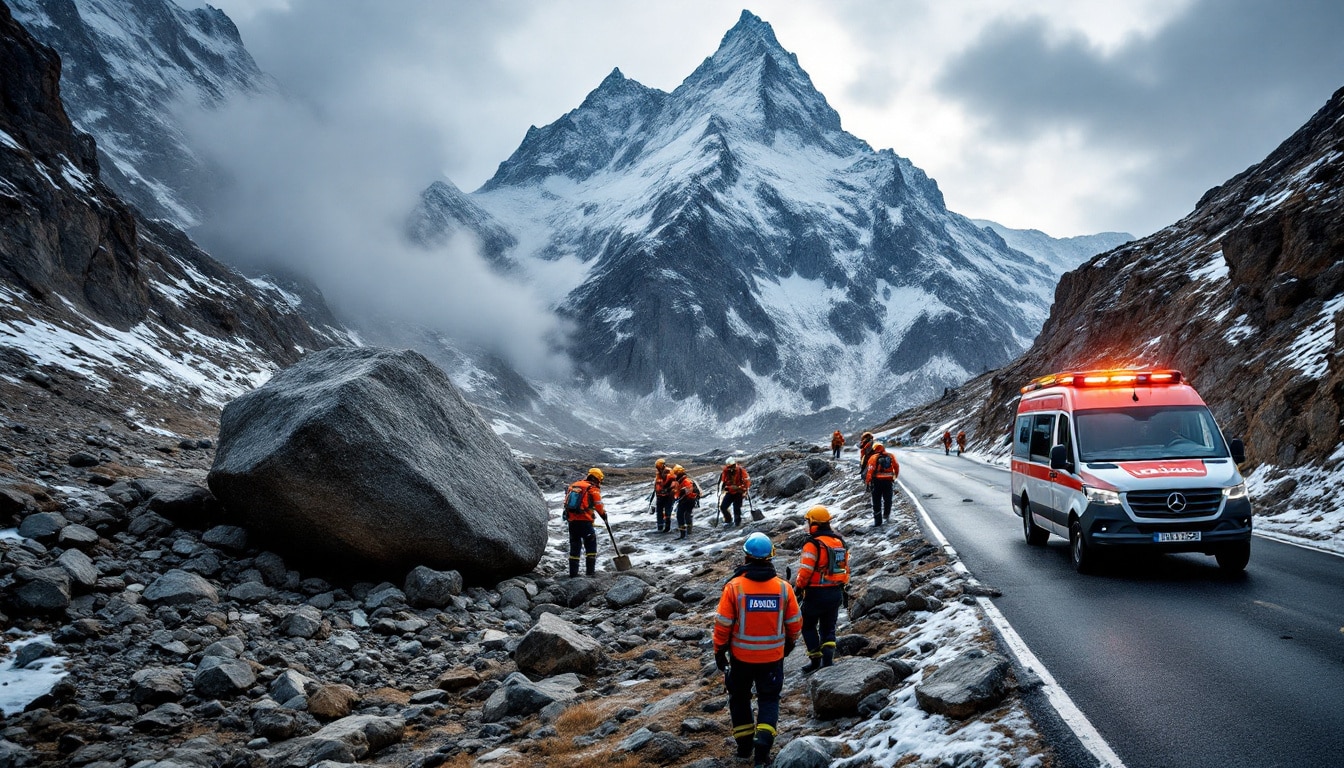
(835, 452)
(769, 681)
(734, 499)
(583, 536)
(684, 507)
(663, 507)
(882, 490)
(821, 610)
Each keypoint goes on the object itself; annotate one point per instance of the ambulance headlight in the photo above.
(1237, 491)
(1101, 496)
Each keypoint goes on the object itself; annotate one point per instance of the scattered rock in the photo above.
(177, 587)
(836, 691)
(81, 569)
(157, 685)
(82, 459)
(879, 591)
(627, 591)
(971, 683)
(77, 536)
(227, 537)
(42, 590)
(220, 677)
(289, 685)
(808, 752)
(305, 622)
(554, 646)
(42, 526)
(518, 696)
(329, 702)
(428, 588)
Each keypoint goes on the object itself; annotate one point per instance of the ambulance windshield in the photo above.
(1148, 433)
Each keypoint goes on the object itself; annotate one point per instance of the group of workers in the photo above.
(675, 487)
(879, 469)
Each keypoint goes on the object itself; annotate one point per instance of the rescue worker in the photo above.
(865, 449)
(734, 483)
(683, 487)
(663, 495)
(837, 442)
(823, 575)
(582, 499)
(756, 626)
(881, 478)
(947, 441)
(961, 441)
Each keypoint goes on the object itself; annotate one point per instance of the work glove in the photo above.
(801, 592)
(789, 645)
(868, 487)
(721, 659)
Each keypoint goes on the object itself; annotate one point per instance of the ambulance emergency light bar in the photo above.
(1159, 377)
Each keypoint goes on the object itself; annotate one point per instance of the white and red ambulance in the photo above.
(1123, 459)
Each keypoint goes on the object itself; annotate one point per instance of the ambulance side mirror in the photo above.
(1238, 450)
(1059, 457)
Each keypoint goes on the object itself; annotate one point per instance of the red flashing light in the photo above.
(1118, 378)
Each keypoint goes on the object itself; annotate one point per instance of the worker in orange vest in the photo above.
(961, 441)
(881, 478)
(947, 441)
(837, 442)
(582, 499)
(734, 482)
(865, 450)
(688, 496)
(823, 574)
(663, 495)
(756, 626)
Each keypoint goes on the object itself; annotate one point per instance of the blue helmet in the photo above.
(759, 546)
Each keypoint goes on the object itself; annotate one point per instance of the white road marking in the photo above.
(1069, 712)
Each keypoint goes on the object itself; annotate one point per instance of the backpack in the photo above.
(837, 558)
(884, 462)
(576, 501)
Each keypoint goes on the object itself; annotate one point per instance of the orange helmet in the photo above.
(660, 463)
(818, 514)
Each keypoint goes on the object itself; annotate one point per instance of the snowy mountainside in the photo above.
(1244, 295)
(737, 262)
(93, 300)
(126, 68)
(1059, 254)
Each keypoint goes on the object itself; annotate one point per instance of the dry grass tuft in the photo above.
(579, 719)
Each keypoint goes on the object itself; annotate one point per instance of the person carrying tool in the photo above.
(755, 627)
(582, 499)
(688, 495)
(881, 478)
(837, 442)
(823, 575)
(961, 441)
(734, 483)
(663, 495)
(947, 441)
(865, 450)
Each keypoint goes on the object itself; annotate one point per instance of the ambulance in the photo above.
(1118, 461)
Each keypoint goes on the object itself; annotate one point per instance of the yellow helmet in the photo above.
(678, 470)
(597, 474)
(818, 514)
(879, 448)
(660, 463)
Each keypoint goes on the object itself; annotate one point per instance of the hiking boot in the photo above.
(813, 664)
(745, 747)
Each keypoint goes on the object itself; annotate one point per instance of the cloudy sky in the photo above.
(1070, 116)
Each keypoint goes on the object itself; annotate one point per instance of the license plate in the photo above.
(1176, 536)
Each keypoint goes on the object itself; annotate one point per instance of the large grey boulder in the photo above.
(344, 741)
(518, 696)
(971, 683)
(219, 676)
(808, 752)
(794, 478)
(837, 690)
(177, 587)
(371, 456)
(879, 591)
(41, 590)
(627, 591)
(554, 646)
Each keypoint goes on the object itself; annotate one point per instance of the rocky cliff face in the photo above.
(1243, 295)
(128, 67)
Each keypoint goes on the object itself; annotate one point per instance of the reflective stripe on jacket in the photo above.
(757, 618)
(734, 479)
(815, 566)
(877, 473)
(684, 488)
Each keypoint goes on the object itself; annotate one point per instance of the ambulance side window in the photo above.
(1065, 436)
(1042, 434)
(1022, 437)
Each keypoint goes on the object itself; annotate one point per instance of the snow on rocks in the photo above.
(836, 691)
(971, 683)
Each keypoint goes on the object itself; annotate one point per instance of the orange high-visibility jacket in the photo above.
(961, 439)
(662, 484)
(815, 566)
(837, 440)
(877, 473)
(734, 479)
(594, 501)
(757, 618)
(684, 488)
(947, 438)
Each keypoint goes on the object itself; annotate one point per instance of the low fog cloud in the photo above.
(327, 194)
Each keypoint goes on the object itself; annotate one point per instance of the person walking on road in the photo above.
(865, 450)
(947, 441)
(734, 483)
(961, 441)
(755, 628)
(837, 442)
(881, 478)
(583, 498)
(688, 495)
(663, 495)
(823, 575)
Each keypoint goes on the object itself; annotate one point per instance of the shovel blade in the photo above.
(622, 562)
(757, 515)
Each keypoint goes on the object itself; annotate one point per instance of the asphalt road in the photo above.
(1173, 662)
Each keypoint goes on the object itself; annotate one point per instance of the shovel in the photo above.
(754, 514)
(717, 514)
(622, 561)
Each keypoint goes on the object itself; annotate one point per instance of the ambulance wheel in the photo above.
(1234, 557)
(1084, 558)
(1033, 533)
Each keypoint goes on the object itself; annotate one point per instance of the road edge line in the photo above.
(1290, 540)
(1068, 712)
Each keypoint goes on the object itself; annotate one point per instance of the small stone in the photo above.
(156, 686)
(219, 677)
(178, 587)
(81, 569)
(428, 588)
(306, 622)
(77, 536)
(82, 459)
(289, 685)
(42, 526)
(227, 537)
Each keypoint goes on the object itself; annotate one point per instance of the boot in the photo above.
(681, 533)
(827, 654)
(814, 663)
(745, 747)
(762, 755)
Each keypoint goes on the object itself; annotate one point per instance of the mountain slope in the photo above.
(127, 68)
(1059, 254)
(732, 254)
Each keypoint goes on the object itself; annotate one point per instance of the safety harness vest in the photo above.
(814, 569)
(759, 615)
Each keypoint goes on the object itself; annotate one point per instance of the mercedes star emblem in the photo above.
(1176, 502)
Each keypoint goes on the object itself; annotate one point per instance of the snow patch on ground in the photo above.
(1313, 512)
(18, 687)
(1308, 352)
